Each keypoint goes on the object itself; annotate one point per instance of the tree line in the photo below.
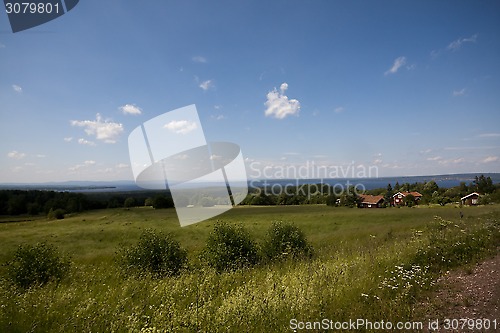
(55, 204)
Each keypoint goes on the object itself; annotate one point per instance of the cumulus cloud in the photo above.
(339, 110)
(279, 106)
(103, 130)
(68, 139)
(16, 155)
(205, 85)
(131, 109)
(457, 44)
(434, 158)
(122, 166)
(82, 141)
(17, 88)
(218, 117)
(199, 59)
(458, 92)
(398, 63)
(181, 126)
(490, 159)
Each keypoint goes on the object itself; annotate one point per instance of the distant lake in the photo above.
(444, 181)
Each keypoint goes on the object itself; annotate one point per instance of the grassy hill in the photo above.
(369, 263)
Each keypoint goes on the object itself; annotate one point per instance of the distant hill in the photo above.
(444, 181)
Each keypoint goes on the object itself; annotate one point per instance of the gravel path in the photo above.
(472, 293)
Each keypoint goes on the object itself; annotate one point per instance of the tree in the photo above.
(409, 200)
(129, 202)
(388, 193)
(349, 198)
(463, 189)
(331, 200)
(430, 187)
(148, 202)
(161, 201)
(484, 184)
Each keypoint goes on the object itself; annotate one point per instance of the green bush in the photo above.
(37, 265)
(55, 214)
(285, 240)
(230, 248)
(155, 253)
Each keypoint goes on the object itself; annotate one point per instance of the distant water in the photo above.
(444, 181)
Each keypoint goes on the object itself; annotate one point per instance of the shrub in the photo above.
(230, 248)
(55, 214)
(37, 265)
(286, 240)
(155, 253)
(129, 202)
(161, 201)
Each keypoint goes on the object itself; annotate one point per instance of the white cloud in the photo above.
(131, 109)
(435, 53)
(17, 88)
(435, 158)
(398, 63)
(279, 106)
(199, 59)
(205, 85)
(340, 109)
(122, 166)
(214, 157)
(16, 155)
(86, 142)
(85, 164)
(181, 126)
(459, 92)
(457, 44)
(41, 155)
(489, 135)
(490, 159)
(102, 129)
(218, 117)
(68, 139)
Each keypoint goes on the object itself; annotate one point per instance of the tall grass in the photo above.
(378, 278)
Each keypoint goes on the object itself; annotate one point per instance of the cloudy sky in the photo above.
(408, 87)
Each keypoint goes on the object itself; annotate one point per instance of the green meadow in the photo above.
(368, 263)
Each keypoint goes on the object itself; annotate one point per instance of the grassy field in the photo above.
(369, 263)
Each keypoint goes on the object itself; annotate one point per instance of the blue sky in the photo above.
(406, 87)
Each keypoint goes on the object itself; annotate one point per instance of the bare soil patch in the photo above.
(472, 292)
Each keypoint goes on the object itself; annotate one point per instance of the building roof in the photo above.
(371, 199)
(414, 193)
(469, 195)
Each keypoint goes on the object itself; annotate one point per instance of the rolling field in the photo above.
(353, 274)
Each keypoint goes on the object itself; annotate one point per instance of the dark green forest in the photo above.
(56, 204)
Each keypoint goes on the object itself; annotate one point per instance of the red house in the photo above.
(370, 201)
(398, 198)
(470, 199)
